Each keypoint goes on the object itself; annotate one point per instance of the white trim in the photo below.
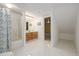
(23, 29)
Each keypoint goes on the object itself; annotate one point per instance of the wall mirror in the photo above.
(27, 26)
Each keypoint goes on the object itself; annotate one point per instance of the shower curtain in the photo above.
(5, 30)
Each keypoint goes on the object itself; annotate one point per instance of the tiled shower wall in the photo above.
(5, 30)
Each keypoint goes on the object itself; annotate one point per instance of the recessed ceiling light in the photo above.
(9, 5)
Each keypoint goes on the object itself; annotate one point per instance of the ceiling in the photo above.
(64, 13)
(37, 9)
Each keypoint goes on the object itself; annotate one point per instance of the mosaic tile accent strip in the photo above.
(5, 27)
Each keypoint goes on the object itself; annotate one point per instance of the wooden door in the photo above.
(47, 21)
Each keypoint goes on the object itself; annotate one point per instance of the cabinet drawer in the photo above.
(31, 36)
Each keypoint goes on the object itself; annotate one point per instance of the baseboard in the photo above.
(66, 36)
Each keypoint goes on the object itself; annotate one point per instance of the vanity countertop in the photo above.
(31, 31)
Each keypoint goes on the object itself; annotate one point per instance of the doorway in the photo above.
(47, 27)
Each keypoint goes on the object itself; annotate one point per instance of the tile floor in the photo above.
(43, 48)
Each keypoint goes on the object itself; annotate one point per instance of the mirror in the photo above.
(26, 25)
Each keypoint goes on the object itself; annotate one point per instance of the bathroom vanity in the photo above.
(31, 36)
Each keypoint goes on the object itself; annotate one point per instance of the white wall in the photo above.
(77, 34)
(65, 16)
(41, 29)
(34, 23)
(16, 25)
(17, 40)
(54, 31)
(66, 36)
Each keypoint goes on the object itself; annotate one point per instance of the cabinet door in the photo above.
(31, 36)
